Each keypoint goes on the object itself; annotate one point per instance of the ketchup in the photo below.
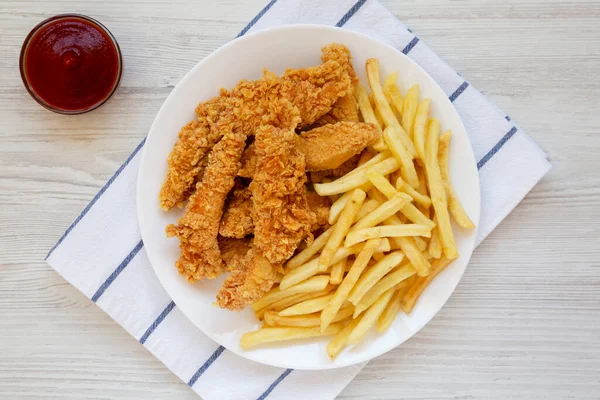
(71, 63)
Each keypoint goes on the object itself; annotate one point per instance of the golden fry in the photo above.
(409, 109)
(341, 228)
(373, 275)
(306, 320)
(340, 340)
(410, 298)
(404, 230)
(421, 199)
(312, 249)
(438, 192)
(370, 317)
(368, 114)
(311, 268)
(356, 179)
(384, 108)
(382, 212)
(313, 284)
(367, 208)
(420, 127)
(397, 278)
(347, 284)
(307, 307)
(337, 272)
(391, 310)
(392, 136)
(278, 334)
(435, 246)
(456, 209)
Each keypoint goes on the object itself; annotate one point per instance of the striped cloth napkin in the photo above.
(102, 254)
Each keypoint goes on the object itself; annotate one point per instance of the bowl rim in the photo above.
(254, 36)
(23, 56)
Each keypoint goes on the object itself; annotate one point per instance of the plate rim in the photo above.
(252, 36)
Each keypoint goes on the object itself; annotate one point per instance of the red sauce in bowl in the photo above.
(70, 64)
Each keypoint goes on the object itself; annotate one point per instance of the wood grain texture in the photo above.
(524, 322)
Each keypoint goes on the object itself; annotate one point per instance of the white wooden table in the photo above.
(525, 320)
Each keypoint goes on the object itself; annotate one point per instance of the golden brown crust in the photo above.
(329, 146)
(280, 213)
(237, 218)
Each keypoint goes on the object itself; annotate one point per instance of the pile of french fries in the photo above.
(390, 233)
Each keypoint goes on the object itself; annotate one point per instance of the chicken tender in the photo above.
(254, 278)
(330, 146)
(320, 207)
(237, 218)
(233, 251)
(197, 230)
(281, 214)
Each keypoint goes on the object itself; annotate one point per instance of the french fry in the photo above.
(356, 179)
(337, 207)
(341, 228)
(420, 243)
(435, 246)
(347, 284)
(368, 114)
(370, 317)
(388, 190)
(420, 127)
(312, 249)
(437, 190)
(388, 82)
(337, 272)
(279, 334)
(339, 341)
(456, 209)
(382, 212)
(404, 230)
(367, 208)
(396, 100)
(412, 295)
(373, 275)
(392, 137)
(374, 106)
(393, 307)
(313, 284)
(409, 110)
(310, 269)
(384, 108)
(395, 278)
(419, 198)
(378, 256)
(307, 307)
(313, 319)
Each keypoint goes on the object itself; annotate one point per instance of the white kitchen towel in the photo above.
(102, 254)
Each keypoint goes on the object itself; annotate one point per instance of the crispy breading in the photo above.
(345, 109)
(319, 205)
(329, 146)
(197, 230)
(237, 218)
(233, 251)
(281, 214)
(248, 162)
(254, 277)
(346, 167)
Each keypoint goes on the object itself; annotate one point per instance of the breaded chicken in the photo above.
(313, 91)
(237, 218)
(282, 218)
(233, 251)
(197, 230)
(319, 205)
(330, 146)
(345, 109)
(248, 162)
(346, 167)
(254, 277)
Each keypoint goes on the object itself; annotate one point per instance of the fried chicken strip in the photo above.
(330, 146)
(254, 278)
(280, 211)
(237, 218)
(320, 207)
(233, 251)
(312, 90)
(197, 230)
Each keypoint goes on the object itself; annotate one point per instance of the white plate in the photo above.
(277, 49)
